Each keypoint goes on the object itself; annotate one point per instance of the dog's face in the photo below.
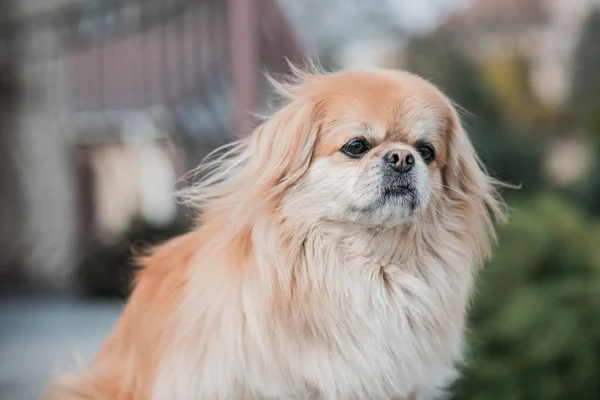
(380, 148)
(372, 147)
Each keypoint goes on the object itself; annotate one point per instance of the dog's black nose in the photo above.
(400, 160)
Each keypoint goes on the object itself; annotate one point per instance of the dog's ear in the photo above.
(251, 184)
(468, 185)
(250, 176)
(463, 171)
(282, 147)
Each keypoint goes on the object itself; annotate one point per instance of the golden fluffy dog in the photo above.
(334, 257)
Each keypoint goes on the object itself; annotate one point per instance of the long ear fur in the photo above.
(470, 187)
(251, 175)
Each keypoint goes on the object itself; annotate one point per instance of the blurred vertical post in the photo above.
(288, 42)
(10, 201)
(44, 135)
(244, 56)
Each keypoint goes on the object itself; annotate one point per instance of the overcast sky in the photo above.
(326, 24)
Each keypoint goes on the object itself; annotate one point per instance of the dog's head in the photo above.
(372, 147)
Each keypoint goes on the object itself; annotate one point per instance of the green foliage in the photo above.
(584, 108)
(535, 323)
(510, 154)
(537, 311)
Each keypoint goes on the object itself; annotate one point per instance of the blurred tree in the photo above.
(586, 192)
(586, 79)
(535, 322)
(508, 76)
(505, 149)
(584, 107)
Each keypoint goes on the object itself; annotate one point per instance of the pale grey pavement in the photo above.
(41, 334)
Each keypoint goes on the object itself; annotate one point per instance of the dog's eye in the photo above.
(427, 152)
(356, 148)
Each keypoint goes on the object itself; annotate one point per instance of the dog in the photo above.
(333, 258)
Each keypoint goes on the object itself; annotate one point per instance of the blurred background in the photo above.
(105, 103)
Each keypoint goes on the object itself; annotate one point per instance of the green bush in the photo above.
(108, 269)
(534, 324)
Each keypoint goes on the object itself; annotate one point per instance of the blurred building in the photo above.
(112, 101)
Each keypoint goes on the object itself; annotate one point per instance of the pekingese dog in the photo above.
(334, 257)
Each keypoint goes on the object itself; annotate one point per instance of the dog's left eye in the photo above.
(427, 152)
(356, 148)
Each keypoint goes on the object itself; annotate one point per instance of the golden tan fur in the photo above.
(285, 290)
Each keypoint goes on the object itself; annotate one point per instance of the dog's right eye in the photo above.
(356, 148)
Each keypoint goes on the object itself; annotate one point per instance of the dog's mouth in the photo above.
(399, 191)
(405, 194)
(398, 195)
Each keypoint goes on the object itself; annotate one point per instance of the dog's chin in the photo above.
(391, 207)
